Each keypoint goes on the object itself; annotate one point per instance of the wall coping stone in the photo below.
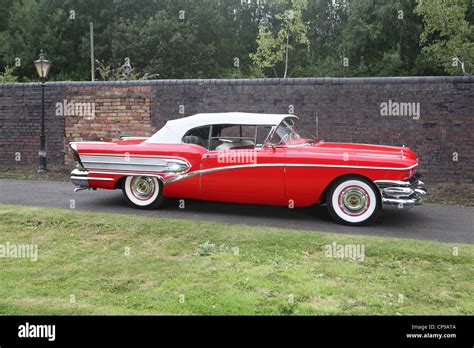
(258, 81)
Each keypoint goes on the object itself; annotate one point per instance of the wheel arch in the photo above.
(119, 182)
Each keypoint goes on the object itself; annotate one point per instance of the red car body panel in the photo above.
(279, 175)
(251, 158)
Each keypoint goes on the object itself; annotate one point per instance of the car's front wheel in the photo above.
(353, 200)
(145, 192)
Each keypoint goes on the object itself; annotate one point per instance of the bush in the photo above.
(7, 75)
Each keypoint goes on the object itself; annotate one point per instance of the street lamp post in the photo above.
(42, 67)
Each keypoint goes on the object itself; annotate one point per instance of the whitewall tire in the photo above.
(353, 200)
(145, 192)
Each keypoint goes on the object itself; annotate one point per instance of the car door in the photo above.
(244, 175)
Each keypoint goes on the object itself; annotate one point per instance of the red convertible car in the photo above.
(251, 158)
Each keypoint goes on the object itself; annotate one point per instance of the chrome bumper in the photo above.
(402, 193)
(79, 178)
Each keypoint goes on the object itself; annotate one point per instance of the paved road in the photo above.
(430, 221)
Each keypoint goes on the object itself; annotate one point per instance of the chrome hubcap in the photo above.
(354, 200)
(143, 187)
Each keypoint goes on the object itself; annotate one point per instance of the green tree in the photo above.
(447, 35)
(7, 75)
(274, 48)
(213, 38)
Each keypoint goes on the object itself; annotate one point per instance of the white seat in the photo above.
(240, 144)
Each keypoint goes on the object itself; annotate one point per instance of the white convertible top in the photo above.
(174, 130)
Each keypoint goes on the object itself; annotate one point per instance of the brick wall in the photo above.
(119, 110)
(20, 119)
(336, 109)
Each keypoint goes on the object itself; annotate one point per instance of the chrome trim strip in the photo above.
(90, 178)
(123, 166)
(213, 170)
(365, 144)
(305, 165)
(125, 137)
(291, 146)
(92, 142)
(125, 159)
(155, 164)
(344, 166)
(126, 163)
(132, 155)
(105, 171)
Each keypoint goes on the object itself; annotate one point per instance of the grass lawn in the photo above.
(91, 263)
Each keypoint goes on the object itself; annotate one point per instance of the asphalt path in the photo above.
(427, 222)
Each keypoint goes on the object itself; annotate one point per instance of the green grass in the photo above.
(170, 270)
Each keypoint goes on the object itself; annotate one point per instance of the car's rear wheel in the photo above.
(145, 192)
(353, 200)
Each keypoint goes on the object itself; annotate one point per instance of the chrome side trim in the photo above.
(344, 166)
(92, 142)
(91, 178)
(126, 163)
(132, 155)
(213, 170)
(125, 137)
(155, 164)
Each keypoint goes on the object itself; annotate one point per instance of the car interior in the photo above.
(228, 137)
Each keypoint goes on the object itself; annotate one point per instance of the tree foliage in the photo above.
(448, 36)
(7, 75)
(273, 48)
(237, 38)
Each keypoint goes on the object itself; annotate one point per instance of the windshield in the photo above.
(287, 134)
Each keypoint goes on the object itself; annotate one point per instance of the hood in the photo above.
(382, 151)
